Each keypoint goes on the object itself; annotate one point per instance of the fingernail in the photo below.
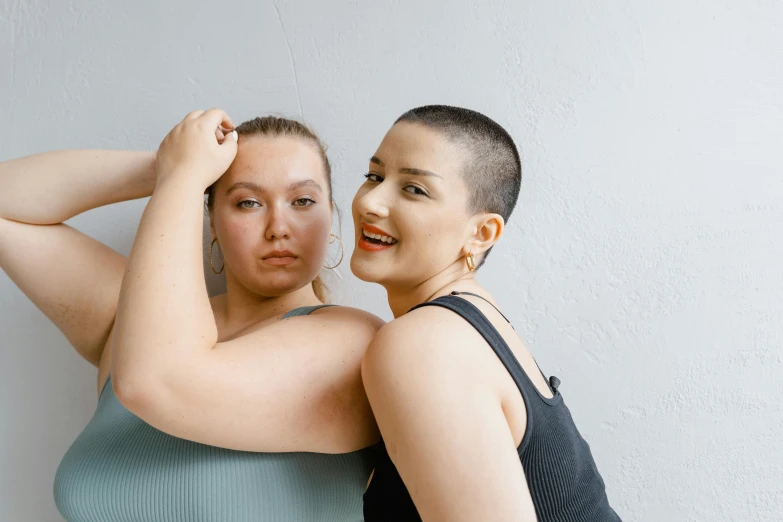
(235, 135)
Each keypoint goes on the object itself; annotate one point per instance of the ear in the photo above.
(487, 229)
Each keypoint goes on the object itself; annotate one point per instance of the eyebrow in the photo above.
(258, 188)
(419, 172)
(305, 183)
(244, 184)
(408, 170)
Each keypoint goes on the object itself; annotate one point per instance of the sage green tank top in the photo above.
(121, 469)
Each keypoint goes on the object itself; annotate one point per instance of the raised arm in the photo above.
(52, 187)
(292, 385)
(73, 279)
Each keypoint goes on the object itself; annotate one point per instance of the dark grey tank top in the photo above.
(561, 475)
(121, 469)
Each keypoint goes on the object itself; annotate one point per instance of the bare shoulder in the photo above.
(432, 326)
(351, 324)
(426, 342)
(335, 328)
(350, 315)
(432, 383)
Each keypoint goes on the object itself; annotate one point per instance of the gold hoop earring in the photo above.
(471, 261)
(332, 238)
(211, 245)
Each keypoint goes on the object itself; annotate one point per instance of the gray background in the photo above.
(642, 265)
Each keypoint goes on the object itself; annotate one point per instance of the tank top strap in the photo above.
(455, 292)
(305, 310)
(479, 321)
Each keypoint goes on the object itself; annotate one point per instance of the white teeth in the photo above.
(379, 237)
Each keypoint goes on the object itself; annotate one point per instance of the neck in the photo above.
(241, 307)
(403, 297)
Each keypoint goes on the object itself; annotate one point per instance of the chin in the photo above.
(279, 284)
(367, 270)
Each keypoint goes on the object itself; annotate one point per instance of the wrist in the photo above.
(179, 181)
(148, 162)
(135, 172)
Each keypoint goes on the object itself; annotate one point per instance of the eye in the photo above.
(413, 189)
(248, 203)
(373, 177)
(304, 202)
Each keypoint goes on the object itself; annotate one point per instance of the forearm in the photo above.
(51, 187)
(164, 312)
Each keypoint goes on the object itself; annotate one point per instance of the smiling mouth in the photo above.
(378, 239)
(374, 242)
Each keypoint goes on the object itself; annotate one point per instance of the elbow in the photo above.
(136, 378)
(132, 391)
(148, 389)
(135, 390)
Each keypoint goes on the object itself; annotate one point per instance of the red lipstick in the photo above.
(375, 245)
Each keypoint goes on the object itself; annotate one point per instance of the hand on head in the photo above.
(200, 148)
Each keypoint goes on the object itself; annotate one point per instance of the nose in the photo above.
(373, 203)
(277, 226)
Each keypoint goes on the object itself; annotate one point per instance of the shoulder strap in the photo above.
(473, 315)
(304, 310)
(485, 299)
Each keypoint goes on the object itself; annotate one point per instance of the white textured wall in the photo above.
(642, 265)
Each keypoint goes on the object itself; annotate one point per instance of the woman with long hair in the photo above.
(243, 406)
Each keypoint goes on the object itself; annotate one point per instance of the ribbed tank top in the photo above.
(561, 475)
(121, 469)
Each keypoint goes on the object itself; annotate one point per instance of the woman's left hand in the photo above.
(200, 148)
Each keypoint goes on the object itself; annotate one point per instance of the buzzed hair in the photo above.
(493, 170)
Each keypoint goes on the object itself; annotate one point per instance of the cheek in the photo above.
(238, 231)
(432, 234)
(241, 237)
(311, 233)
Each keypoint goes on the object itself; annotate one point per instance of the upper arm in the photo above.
(72, 278)
(443, 424)
(293, 385)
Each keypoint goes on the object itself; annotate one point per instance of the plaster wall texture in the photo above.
(642, 265)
